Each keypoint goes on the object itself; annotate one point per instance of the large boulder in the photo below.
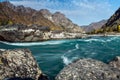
(19, 64)
(88, 69)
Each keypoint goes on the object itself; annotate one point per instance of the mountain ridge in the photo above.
(113, 23)
(60, 20)
(11, 14)
(93, 26)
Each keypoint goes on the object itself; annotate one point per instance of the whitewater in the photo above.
(53, 55)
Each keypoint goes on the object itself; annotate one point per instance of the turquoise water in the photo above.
(52, 56)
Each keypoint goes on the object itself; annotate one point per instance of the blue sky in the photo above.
(81, 12)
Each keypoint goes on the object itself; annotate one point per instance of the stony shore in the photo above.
(103, 35)
(21, 33)
(19, 64)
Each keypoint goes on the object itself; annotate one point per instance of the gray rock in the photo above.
(36, 39)
(29, 38)
(8, 35)
(19, 63)
(1, 50)
(20, 35)
(115, 63)
(33, 33)
(88, 69)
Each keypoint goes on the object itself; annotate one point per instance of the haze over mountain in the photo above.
(94, 26)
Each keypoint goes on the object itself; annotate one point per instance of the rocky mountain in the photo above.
(10, 14)
(93, 26)
(113, 23)
(60, 20)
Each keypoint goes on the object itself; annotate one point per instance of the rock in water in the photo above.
(19, 64)
(88, 69)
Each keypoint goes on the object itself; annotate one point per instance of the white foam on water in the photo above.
(71, 50)
(112, 38)
(35, 43)
(74, 58)
(2, 49)
(100, 40)
(66, 61)
(93, 53)
(77, 46)
(96, 40)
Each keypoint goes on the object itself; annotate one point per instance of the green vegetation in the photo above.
(6, 22)
(10, 22)
(118, 28)
(106, 29)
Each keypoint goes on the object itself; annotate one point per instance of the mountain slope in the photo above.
(94, 26)
(113, 23)
(10, 14)
(60, 20)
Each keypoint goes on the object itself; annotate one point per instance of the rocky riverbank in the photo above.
(90, 69)
(33, 33)
(104, 34)
(19, 64)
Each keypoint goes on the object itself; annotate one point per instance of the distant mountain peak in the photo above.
(7, 4)
(60, 19)
(59, 14)
(45, 12)
(94, 26)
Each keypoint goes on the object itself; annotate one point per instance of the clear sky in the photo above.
(81, 12)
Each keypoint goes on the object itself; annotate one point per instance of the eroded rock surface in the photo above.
(88, 69)
(19, 64)
(115, 63)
